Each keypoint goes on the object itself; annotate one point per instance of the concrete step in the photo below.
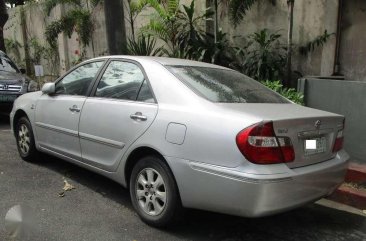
(353, 191)
(350, 194)
(356, 173)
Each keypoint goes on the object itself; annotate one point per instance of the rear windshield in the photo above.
(225, 86)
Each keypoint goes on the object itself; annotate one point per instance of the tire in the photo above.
(25, 140)
(148, 200)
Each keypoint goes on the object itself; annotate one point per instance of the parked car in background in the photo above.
(13, 83)
(181, 133)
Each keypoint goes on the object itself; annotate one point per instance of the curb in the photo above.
(350, 196)
(356, 173)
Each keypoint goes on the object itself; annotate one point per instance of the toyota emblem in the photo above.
(317, 124)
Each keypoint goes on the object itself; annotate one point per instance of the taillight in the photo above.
(259, 144)
(338, 144)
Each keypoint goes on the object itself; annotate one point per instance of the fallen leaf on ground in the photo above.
(61, 194)
(67, 186)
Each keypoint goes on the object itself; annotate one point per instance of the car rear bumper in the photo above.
(226, 190)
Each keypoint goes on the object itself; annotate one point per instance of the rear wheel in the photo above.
(25, 140)
(154, 193)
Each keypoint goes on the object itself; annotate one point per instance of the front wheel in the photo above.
(154, 193)
(25, 140)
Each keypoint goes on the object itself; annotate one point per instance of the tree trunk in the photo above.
(210, 23)
(216, 19)
(290, 4)
(4, 16)
(115, 25)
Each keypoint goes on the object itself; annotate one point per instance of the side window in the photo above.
(78, 81)
(121, 80)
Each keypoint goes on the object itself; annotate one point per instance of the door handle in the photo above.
(138, 116)
(74, 108)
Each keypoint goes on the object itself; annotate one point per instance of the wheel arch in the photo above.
(18, 114)
(137, 154)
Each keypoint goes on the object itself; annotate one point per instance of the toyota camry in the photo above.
(184, 134)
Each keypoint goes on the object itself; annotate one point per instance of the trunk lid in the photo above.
(299, 124)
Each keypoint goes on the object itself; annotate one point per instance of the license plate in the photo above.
(315, 146)
(8, 98)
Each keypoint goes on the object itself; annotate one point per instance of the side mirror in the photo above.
(49, 88)
(23, 71)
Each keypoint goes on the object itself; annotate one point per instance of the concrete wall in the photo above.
(353, 40)
(311, 18)
(346, 98)
(68, 48)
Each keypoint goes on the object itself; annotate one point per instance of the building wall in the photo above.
(311, 18)
(353, 40)
(69, 49)
(334, 96)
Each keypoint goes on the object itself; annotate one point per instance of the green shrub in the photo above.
(289, 93)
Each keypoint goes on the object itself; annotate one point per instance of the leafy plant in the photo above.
(77, 19)
(192, 37)
(318, 41)
(143, 46)
(135, 8)
(239, 8)
(289, 93)
(217, 52)
(263, 57)
(165, 25)
(12, 46)
(179, 28)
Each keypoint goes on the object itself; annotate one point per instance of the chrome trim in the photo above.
(314, 133)
(57, 129)
(231, 174)
(10, 88)
(101, 140)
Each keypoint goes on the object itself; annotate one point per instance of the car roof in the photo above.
(164, 61)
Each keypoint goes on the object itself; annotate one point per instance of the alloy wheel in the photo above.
(151, 191)
(24, 139)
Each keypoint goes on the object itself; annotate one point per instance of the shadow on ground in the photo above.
(312, 222)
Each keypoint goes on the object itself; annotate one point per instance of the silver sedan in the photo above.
(180, 133)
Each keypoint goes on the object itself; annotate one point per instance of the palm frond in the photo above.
(157, 28)
(144, 46)
(158, 8)
(137, 6)
(238, 9)
(173, 7)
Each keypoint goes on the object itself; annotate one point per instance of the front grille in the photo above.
(10, 88)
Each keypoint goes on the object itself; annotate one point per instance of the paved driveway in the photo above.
(99, 209)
